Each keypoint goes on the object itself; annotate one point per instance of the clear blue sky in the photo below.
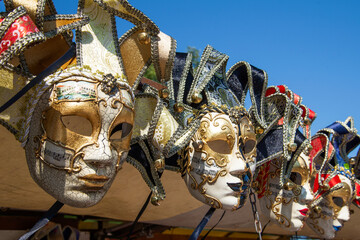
(311, 46)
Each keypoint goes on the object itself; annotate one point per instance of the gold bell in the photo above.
(155, 200)
(189, 120)
(199, 145)
(317, 209)
(164, 93)
(159, 164)
(143, 38)
(255, 186)
(307, 121)
(179, 107)
(310, 148)
(325, 187)
(196, 98)
(289, 186)
(259, 130)
(292, 147)
(352, 161)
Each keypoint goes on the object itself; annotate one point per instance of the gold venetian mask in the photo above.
(287, 206)
(76, 123)
(79, 138)
(217, 170)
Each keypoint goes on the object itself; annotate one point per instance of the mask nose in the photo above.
(344, 214)
(237, 165)
(100, 153)
(307, 193)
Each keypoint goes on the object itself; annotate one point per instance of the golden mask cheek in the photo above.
(340, 198)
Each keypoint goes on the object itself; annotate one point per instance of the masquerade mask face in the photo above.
(79, 137)
(288, 205)
(217, 168)
(329, 215)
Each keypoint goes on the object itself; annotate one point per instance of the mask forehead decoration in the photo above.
(332, 180)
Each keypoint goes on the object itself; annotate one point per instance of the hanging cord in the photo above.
(257, 222)
(49, 70)
(142, 210)
(202, 224)
(139, 215)
(264, 227)
(44, 220)
(204, 237)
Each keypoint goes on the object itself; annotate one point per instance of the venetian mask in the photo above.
(79, 137)
(328, 216)
(286, 205)
(217, 159)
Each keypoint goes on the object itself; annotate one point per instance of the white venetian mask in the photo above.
(330, 214)
(79, 136)
(287, 206)
(217, 169)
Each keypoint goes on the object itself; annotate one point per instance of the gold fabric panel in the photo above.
(134, 55)
(144, 110)
(10, 84)
(164, 52)
(30, 6)
(42, 55)
(119, 6)
(165, 128)
(50, 25)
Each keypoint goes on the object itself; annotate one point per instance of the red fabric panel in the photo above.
(270, 91)
(19, 29)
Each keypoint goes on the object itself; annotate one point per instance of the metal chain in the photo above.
(257, 223)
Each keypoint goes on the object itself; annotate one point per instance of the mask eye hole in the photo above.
(120, 131)
(220, 146)
(296, 178)
(248, 146)
(338, 201)
(77, 124)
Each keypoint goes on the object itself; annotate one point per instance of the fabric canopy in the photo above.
(127, 195)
